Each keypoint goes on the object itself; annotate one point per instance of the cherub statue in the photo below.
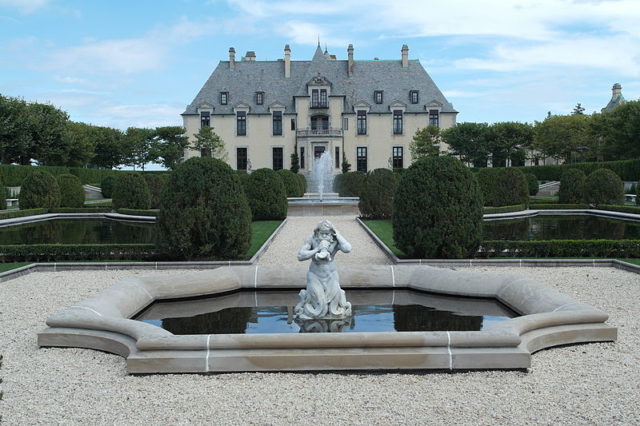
(323, 297)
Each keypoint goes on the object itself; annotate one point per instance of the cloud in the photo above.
(24, 6)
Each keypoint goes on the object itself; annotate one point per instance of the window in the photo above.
(224, 98)
(345, 123)
(259, 98)
(413, 96)
(241, 158)
(302, 157)
(277, 123)
(398, 157)
(337, 157)
(361, 159)
(277, 158)
(323, 98)
(362, 122)
(434, 118)
(205, 119)
(377, 96)
(319, 98)
(397, 122)
(241, 120)
(319, 122)
(293, 124)
(314, 97)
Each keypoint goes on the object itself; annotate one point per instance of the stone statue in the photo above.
(323, 297)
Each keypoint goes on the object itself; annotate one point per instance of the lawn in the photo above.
(4, 267)
(260, 231)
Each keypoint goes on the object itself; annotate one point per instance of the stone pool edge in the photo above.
(549, 319)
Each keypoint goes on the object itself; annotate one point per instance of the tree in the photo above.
(48, 126)
(295, 162)
(137, 147)
(169, 144)
(507, 141)
(565, 137)
(578, 109)
(209, 143)
(469, 141)
(15, 137)
(82, 143)
(39, 190)
(346, 165)
(619, 130)
(425, 143)
(109, 151)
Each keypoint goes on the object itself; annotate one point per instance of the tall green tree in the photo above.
(578, 109)
(565, 137)
(169, 144)
(109, 151)
(48, 125)
(508, 141)
(15, 136)
(137, 147)
(425, 143)
(82, 143)
(209, 143)
(619, 131)
(469, 141)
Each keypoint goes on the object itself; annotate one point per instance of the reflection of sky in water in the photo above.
(366, 318)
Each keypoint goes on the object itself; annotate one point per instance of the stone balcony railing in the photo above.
(319, 132)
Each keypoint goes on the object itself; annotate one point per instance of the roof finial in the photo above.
(318, 40)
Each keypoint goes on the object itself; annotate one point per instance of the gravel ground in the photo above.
(583, 384)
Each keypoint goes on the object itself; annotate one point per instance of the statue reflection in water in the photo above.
(323, 298)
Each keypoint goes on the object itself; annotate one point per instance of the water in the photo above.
(322, 174)
(251, 312)
(79, 231)
(561, 228)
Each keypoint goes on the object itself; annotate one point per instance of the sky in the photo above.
(139, 63)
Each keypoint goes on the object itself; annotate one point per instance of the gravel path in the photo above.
(582, 384)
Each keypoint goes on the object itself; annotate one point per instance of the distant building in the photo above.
(367, 111)
(616, 98)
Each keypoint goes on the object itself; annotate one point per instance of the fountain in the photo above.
(322, 175)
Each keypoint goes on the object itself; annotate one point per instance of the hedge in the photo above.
(561, 248)
(131, 191)
(505, 209)
(603, 187)
(40, 189)
(71, 191)
(628, 170)
(557, 206)
(22, 213)
(60, 252)
(349, 184)
(139, 212)
(503, 186)
(572, 185)
(621, 209)
(98, 209)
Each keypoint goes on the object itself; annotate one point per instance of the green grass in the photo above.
(4, 267)
(384, 230)
(634, 261)
(260, 232)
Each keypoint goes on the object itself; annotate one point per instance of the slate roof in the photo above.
(249, 77)
(616, 99)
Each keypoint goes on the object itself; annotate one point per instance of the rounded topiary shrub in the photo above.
(376, 197)
(156, 183)
(532, 182)
(107, 186)
(71, 191)
(503, 186)
(130, 191)
(572, 186)
(266, 194)
(349, 184)
(39, 190)
(204, 213)
(291, 183)
(603, 186)
(303, 182)
(437, 210)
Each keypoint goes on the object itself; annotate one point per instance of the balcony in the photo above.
(308, 132)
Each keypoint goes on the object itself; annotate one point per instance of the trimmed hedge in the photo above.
(558, 206)
(303, 182)
(561, 248)
(505, 209)
(106, 186)
(503, 186)
(376, 197)
(156, 184)
(638, 193)
(106, 203)
(572, 186)
(71, 191)
(4, 194)
(349, 184)
(621, 209)
(267, 195)
(81, 210)
(60, 252)
(628, 170)
(291, 182)
(437, 210)
(603, 187)
(131, 191)
(532, 182)
(11, 214)
(204, 213)
(138, 212)
(39, 189)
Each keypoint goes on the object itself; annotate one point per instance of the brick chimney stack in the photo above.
(287, 61)
(351, 65)
(405, 56)
(232, 58)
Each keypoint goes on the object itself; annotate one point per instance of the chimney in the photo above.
(616, 91)
(350, 65)
(232, 58)
(405, 56)
(250, 56)
(287, 61)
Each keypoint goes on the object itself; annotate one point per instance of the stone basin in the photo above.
(548, 318)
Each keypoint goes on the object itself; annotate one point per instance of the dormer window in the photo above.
(377, 96)
(224, 98)
(259, 98)
(319, 98)
(413, 96)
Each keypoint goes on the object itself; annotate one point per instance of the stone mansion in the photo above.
(367, 111)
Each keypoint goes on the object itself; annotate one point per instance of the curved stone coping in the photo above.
(96, 215)
(562, 212)
(504, 345)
